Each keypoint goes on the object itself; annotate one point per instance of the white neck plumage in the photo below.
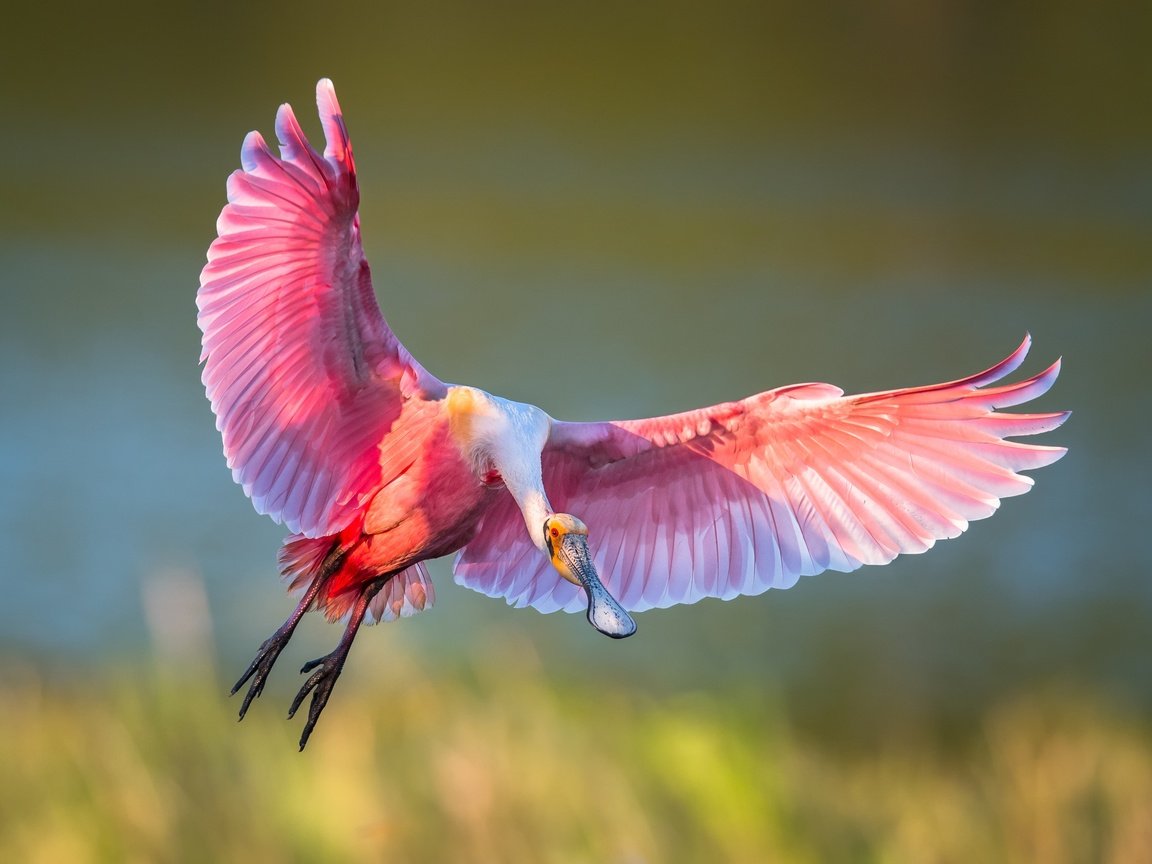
(508, 436)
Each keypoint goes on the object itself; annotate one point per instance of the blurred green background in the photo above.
(725, 197)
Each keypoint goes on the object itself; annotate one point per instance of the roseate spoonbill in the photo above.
(375, 465)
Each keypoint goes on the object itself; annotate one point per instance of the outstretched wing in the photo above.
(738, 498)
(304, 374)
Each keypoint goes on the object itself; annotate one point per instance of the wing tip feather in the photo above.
(337, 145)
(1026, 390)
(253, 147)
(999, 370)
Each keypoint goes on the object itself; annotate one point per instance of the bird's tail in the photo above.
(304, 559)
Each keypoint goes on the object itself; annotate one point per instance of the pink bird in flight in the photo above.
(333, 429)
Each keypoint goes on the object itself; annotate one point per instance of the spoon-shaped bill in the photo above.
(604, 613)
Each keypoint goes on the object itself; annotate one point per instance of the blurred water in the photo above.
(719, 211)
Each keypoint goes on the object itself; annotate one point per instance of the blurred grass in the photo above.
(498, 762)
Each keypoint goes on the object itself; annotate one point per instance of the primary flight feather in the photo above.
(333, 429)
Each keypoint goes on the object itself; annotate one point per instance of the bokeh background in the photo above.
(721, 198)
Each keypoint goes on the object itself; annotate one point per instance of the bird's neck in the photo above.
(520, 469)
(509, 436)
(535, 508)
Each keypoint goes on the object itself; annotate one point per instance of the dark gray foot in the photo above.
(329, 667)
(319, 684)
(259, 668)
(271, 647)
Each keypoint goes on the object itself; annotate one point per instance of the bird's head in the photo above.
(566, 542)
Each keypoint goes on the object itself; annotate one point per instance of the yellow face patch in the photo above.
(559, 525)
(556, 528)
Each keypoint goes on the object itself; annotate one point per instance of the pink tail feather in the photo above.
(302, 559)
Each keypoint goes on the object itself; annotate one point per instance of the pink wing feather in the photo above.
(742, 497)
(303, 373)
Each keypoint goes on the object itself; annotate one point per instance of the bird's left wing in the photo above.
(741, 497)
(307, 380)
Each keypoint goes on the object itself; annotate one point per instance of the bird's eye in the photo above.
(555, 532)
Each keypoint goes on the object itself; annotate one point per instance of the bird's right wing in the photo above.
(306, 378)
(749, 495)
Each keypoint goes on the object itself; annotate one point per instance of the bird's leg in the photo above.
(329, 667)
(271, 647)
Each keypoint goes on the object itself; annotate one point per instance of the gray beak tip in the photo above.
(611, 619)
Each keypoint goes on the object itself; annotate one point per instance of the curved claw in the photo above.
(259, 669)
(320, 685)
